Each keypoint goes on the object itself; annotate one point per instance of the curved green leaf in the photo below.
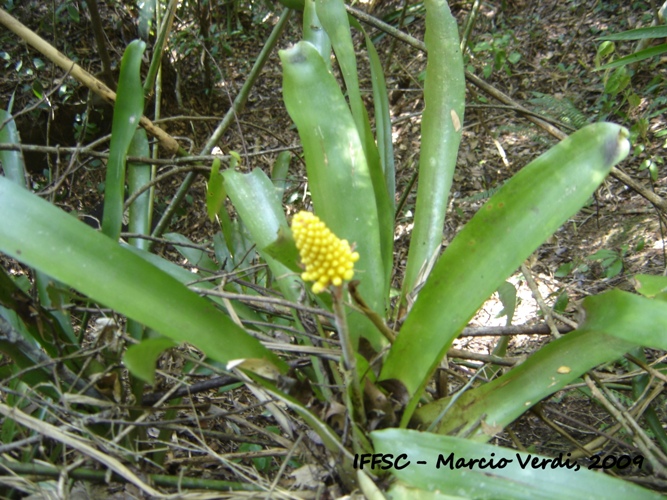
(314, 33)
(382, 122)
(441, 129)
(195, 256)
(636, 57)
(293, 4)
(380, 157)
(638, 34)
(557, 480)
(128, 109)
(11, 161)
(629, 317)
(503, 400)
(138, 175)
(187, 278)
(13, 165)
(46, 238)
(215, 193)
(280, 170)
(336, 21)
(333, 16)
(501, 235)
(141, 358)
(340, 181)
(256, 200)
(652, 286)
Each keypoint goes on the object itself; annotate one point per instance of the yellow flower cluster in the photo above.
(327, 258)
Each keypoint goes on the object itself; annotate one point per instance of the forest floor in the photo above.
(541, 54)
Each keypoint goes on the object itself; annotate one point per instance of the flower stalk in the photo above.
(330, 261)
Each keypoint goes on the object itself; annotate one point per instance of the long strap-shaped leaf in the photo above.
(138, 175)
(313, 32)
(12, 161)
(336, 21)
(48, 239)
(502, 401)
(128, 109)
(333, 17)
(442, 126)
(636, 57)
(340, 182)
(615, 322)
(505, 231)
(629, 317)
(498, 473)
(257, 203)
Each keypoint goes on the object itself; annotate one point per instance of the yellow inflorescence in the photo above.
(327, 258)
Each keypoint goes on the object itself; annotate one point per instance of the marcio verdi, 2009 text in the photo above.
(386, 461)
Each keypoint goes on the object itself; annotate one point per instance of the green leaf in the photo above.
(564, 269)
(314, 33)
(260, 209)
(561, 302)
(262, 464)
(441, 129)
(12, 161)
(186, 277)
(614, 269)
(138, 175)
(128, 110)
(603, 254)
(146, 14)
(483, 411)
(617, 81)
(637, 56)
(140, 358)
(507, 229)
(256, 201)
(73, 13)
(651, 286)
(235, 159)
(333, 17)
(604, 50)
(511, 481)
(629, 317)
(634, 100)
(380, 158)
(283, 249)
(340, 182)
(215, 193)
(280, 170)
(48, 239)
(638, 34)
(38, 89)
(615, 322)
(335, 20)
(481, 47)
(507, 296)
(195, 256)
(382, 124)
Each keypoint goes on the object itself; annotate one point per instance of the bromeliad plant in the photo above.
(350, 235)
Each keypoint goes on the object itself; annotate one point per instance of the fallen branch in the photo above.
(80, 74)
